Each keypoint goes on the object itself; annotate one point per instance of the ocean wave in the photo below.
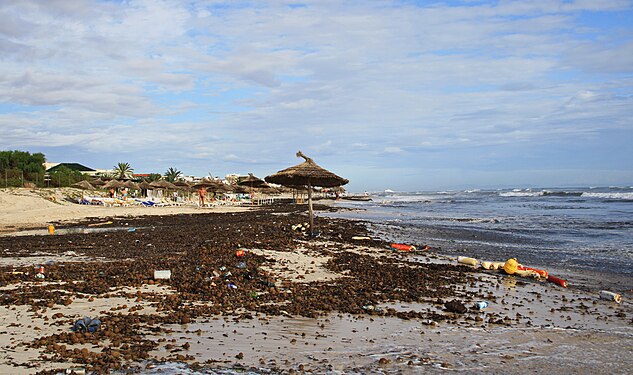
(562, 193)
(619, 196)
(472, 220)
(542, 193)
(521, 194)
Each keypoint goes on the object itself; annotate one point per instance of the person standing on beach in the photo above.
(111, 192)
(201, 193)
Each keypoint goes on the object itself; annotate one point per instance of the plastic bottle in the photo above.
(605, 294)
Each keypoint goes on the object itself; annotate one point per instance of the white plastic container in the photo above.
(162, 275)
(469, 261)
(605, 294)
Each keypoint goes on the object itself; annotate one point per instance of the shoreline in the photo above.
(322, 305)
(444, 239)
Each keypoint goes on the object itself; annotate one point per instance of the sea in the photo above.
(584, 233)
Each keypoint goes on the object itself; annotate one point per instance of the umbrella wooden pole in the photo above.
(310, 209)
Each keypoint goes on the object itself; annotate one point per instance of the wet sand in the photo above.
(291, 304)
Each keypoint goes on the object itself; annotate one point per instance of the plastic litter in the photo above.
(492, 265)
(541, 273)
(481, 305)
(162, 275)
(241, 265)
(76, 371)
(232, 286)
(556, 280)
(86, 324)
(360, 238)
(51, 229)
(240, 253)
(511, 266)
(611, 296)
(131, 229)
(527, 273)
(469, 261)
(403, 247)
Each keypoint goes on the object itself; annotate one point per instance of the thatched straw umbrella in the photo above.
(114, 184)
(97, 182)
(131, 185)
(307, 174)
(162, 184)
(182, 185)
(145, 186)
(203, 185)
(83, 185)
(253, 182)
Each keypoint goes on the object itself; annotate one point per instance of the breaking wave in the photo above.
(619, 196)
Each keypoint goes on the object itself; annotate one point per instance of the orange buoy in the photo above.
(240, 253)
(556, 280)
(403, 247)
(51, 229)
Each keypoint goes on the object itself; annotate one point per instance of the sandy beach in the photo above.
(247, 292)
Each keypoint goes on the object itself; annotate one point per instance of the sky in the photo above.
(401, 95)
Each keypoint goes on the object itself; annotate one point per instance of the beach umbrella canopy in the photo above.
(84, 185)
(114, 184)
(205, 183)
(131, 185)
(182, 185)
(162, 184)
(145, 186)
(252, 181)
(97, 182)
(237, 188)
(307, 174)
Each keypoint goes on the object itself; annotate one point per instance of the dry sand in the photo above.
(35, 208)
(554, 329)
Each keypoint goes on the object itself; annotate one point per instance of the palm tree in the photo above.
(123, 171)
(153, 177)
(172, 174)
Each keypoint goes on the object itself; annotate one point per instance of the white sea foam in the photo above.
(521, 194)
(622, 196)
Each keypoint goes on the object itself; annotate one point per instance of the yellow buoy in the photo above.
(51, 229)
(511, 266)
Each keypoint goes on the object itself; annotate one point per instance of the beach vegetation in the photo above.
(123, 171)
(63, 176)
(172, 174)
(19, 167)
